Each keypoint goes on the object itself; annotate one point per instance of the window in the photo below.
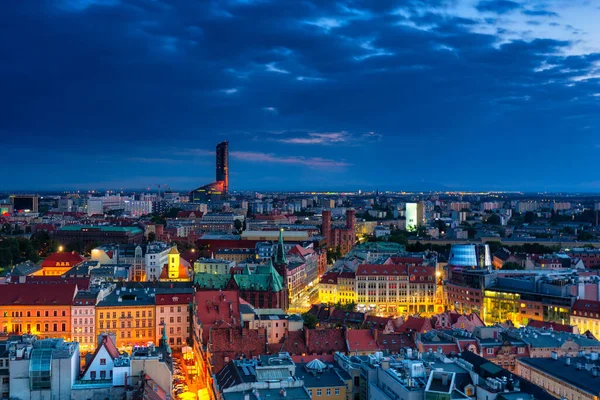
(521, 350)
(64, 327)
(102, 374)
(101, 315)
(319, 392)
(93, 375)
(64, 313)
(328, 392)
(103, 361)
(55, 326)
(45, 313)
(337, 391)
(56, 313)
(489, 351)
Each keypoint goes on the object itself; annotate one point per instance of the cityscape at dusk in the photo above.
(260, 199)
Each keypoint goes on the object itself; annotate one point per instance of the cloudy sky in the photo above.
(312, 94)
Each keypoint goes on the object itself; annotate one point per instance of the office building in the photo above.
(25, 203)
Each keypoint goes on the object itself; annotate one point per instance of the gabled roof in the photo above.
(110, 347)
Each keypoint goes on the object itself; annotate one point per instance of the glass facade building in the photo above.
(40, 369)
(475, 256)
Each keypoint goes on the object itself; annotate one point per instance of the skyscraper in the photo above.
(223, 165)
(218, 189)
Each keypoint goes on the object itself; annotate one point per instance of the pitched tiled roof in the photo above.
(381, 269)
(589, 306)
(233, 342)
(62, 260)
(394, 342)
(414, 324)
(550, 325)
(217, 309)
(110, 347)
(361, 340)
(58, 294)
(326, 341)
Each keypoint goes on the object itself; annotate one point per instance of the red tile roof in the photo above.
(586, 306)
(414, 324)
(381, 269)
(394, 342)
(46, 295)
(174, 298)
(233, 342)
(82, 283)
(550, 325)
(325, 341)
(217, 309)
(361, 340)
(297, 249)
(62, 260)
(405, 260)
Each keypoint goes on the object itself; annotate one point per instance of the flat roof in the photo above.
(582, 379)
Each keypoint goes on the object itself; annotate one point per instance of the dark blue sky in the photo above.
(321, 94)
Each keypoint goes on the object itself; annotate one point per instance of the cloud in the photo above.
(331, 138)
(314, 162)
(319, 138)
(540, 13)
(272, 68)
(497, 6)
(270, 109)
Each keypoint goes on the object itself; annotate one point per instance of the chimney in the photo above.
(306, 336)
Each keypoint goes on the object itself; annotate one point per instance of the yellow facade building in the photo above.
(130, 314)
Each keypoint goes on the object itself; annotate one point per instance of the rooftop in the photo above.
(576, 374)
(102, 228)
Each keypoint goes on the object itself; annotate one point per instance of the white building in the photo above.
(173, 312)
(95, 205)
(137, 208)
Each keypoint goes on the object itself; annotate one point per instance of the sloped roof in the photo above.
(57, 294)
(361, 340)
(70, 258)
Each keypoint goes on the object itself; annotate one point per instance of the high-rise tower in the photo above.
(222, 167)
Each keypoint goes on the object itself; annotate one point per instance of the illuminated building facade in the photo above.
(176, 269)
(396, 288)
(42, 310)
(83, 314)
(585, 315)
(219, 189)
(173, 308)
(58, 264)
(129, 313)
(415, 215)
(337, 286)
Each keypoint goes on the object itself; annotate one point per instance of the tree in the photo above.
(494, 245)
(512, 265)
(530, 217)
(151, 237)
(494, 219)
(310, 321)
(348, 307)
(567, 230)
(333, 255)
(77, 247)
(172, 213)
(585, 237)
(238, 225)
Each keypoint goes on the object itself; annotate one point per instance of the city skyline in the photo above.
(448, 95)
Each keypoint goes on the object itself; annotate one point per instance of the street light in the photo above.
(60, 249)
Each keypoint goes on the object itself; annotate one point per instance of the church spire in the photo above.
(280, 257)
